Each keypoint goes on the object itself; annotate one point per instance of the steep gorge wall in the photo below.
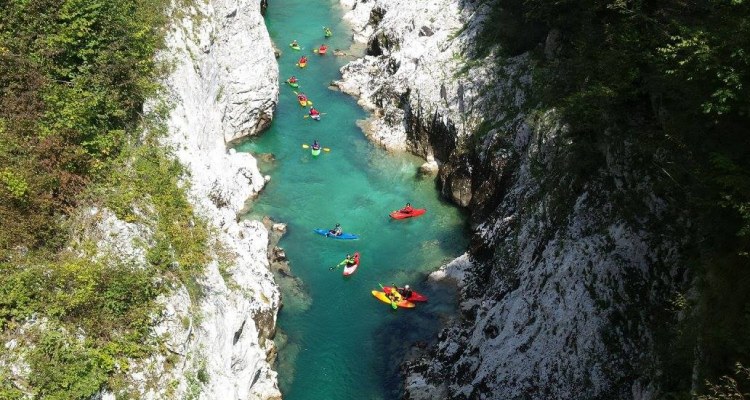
(223, 87)
(570, 270)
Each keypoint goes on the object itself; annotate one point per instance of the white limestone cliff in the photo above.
(223, 87)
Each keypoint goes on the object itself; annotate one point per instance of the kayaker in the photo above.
(349, 261)
(408, 209)
(303, 60)
(323, 48)
(336, 231)
(405, 291)
(394, 294)
(293, 79)
(327, 31)
(294, 43)
(301, 97)
(315, 145)
(314, 114)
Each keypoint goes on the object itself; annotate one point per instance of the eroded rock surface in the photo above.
(563, 287)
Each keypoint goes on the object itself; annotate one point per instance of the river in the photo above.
(337, 341)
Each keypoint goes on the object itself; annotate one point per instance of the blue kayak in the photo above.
(343, 236)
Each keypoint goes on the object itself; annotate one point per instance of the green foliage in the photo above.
(65, 368)
(98, 317)
(669, 80)
(73, 78)
(15, 184)
(508, 28)
(74, 75)
(734, 387)
(152, 179)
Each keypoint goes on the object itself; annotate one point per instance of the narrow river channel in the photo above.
(336, 340)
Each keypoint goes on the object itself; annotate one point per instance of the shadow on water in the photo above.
(404, 335)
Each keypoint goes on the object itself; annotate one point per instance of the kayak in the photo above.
(384, 298)
(295, 46)
(327, 32)
(402, 215)
(414, 295)
(302, 65)
(315, 117)
(343, 236)
(316, 152)
(350, 270)
(294, 85)
(305, 102)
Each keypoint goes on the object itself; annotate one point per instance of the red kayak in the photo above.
(403, 215)
(414, 295)
(350, 270)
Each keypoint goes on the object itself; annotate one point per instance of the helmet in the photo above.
(406, 287)
(338, 224)
(408, 204)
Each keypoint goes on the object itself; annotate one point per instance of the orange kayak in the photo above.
(384, 298)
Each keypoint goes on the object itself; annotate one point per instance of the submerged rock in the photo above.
(430, 167)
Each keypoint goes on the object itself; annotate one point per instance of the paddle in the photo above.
(393, 305)
(307, 146)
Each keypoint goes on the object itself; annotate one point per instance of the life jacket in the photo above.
(314, 111)
(356, 257)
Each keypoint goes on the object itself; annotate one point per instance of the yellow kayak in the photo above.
(384, 298)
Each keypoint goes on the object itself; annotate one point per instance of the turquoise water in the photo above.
(337, 341)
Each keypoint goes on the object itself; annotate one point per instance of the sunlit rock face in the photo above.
(223, 86)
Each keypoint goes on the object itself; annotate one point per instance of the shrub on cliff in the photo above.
(74, 75)
(670, 80)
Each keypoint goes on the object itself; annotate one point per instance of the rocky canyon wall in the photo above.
(223, 86)
(566, 279)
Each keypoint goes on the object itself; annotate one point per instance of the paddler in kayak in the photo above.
(323, 48)
(408, 209)
(302, 98)
(336, 231)
(293, 79)
(348, 261)
(394, 295)
(327, 31)
(314, 114)
(404, 291)
(302, 60)
(315, 145)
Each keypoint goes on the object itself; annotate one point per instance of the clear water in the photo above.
(337, 341)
